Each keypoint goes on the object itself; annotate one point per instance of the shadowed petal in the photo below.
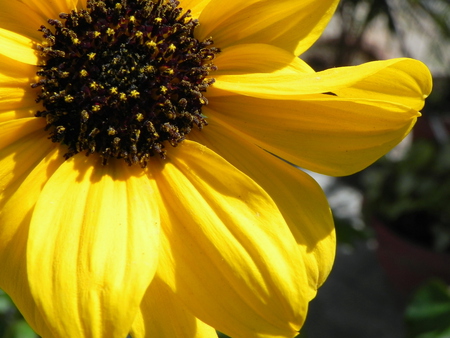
(247, 59)
(7, 115)
(196, 6)
(81, 4)
(163, 315)
(50, 9)
(17, 98)
(17, 17)
(225, 240)
(20, 129)
(94, 238)
(325, 134)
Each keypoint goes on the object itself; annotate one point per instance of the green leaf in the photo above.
(428, 314)
(5, 302)
(20, 329)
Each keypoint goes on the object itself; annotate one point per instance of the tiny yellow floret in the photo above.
(111, 131)
(68, 98)
(84, 115)
(150, 44)
(134, 93)
(168, 71)
(172, 48)
(94, 85)
(139, 117)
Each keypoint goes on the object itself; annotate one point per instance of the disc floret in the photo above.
(123, 79)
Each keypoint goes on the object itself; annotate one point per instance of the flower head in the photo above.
(139, 193)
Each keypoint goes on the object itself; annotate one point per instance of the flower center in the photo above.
(123, 78)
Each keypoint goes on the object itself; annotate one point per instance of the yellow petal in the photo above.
(325, 134)
(28, 165)
(17, 98)
(50, 9)
(403, 81)
(227, 252)
(25, 167)
(163, 315)
(18, 47)
(75, 4)
(196, 6)
(93, 247)
(247, 59)
(17, 102)
(14, 73)
(23, 147)
(80, 4)
(291, 25)
(17, 17)
(18, 131)
(7, 115)
(299, 198)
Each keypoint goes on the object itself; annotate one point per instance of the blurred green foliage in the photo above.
(412, 195)
(428, 313)
(12, 325)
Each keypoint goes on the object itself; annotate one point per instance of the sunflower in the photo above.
(139, 190)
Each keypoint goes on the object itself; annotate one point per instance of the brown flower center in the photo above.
(123, 78)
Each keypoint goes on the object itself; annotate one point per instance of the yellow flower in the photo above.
(213, 233)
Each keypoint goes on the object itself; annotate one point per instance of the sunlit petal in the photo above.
(17, 47)
(93, 238)
(388, 80)
(25, 166)
(291, 25)
(300, 199)
(229, 242)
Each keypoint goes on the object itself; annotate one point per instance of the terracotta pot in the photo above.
(408, 265)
